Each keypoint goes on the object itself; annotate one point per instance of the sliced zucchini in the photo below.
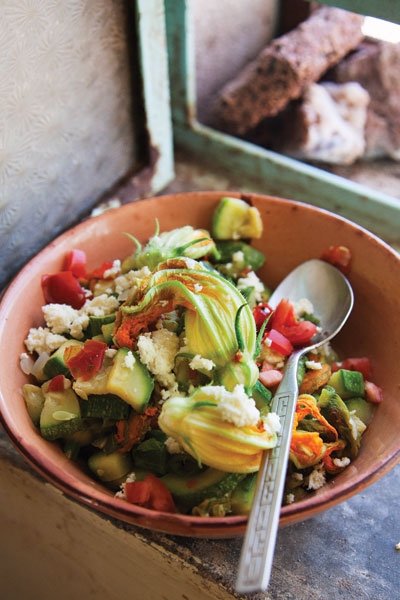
(133, 384)
(96, 323)
(34, 400)
(243, 495)
(56, 364)
(363, 410)
(251, 256)
(190, 490)
(94, 385)
(107, 331)
(348, 384)
(61, 415)
(151, 455)
(110, 467)
(262, 397)
(105, 406)
(234, 219)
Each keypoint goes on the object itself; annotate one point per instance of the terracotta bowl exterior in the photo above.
(293, 233)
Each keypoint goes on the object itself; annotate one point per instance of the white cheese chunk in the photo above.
(199, 362)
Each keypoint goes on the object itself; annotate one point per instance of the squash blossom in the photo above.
(184, 241)
(198, 425)
(215, 316)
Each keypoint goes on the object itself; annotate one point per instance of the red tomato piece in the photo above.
(150, 493)
(63, 288)
(160, 496)
(270, 378)
(138, 492)
(88, 361)
(339, 257)
(56, 384)
(373, 393)
(75, 261)
(98, 273)
(261, 312)
(362, 364)
(283, 314)
(278, 342)
(300, 333)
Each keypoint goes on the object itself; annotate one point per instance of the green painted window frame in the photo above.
(153, 62)
(273, 172)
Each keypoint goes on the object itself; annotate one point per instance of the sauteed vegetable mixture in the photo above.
(157, 373)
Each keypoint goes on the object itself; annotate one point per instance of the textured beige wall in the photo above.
(65, 116)
(228, 33)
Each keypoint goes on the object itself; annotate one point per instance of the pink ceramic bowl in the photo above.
(293, 233)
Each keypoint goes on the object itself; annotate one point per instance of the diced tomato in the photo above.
(373, 393)
(138, 492)
(300, 333)
(75, 261)
(56, 384)
(270, 378)
(283, 314)
(362, 364)
(98, 273)
(150, 493)
(339, 257)
(278, 342)
(88, 361)
(261, 312)
(63, 288)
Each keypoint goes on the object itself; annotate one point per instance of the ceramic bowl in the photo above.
(293, 232)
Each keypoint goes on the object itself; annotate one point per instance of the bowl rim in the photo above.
(178, 524)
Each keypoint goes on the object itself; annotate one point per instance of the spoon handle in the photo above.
(259, 542)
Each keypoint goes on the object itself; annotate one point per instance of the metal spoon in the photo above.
(332, 299)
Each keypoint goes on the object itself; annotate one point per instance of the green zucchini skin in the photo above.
(190, 490)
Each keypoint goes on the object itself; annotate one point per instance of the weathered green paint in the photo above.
(276, 173)
(383, 9)
(154, 70)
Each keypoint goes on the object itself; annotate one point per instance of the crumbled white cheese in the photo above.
(129, 360)
(100, 306)
(189, 262)
(41, 339)
(341, 462)
(78, 326)
(105, 206)
(325, 350)
(303, 306)
(163, 302)
(238, 257)
(157, 350)
(268, 342)
(198, 287)
(199, 362)
(173, 390)
(111, 352)
(313, 365)
(59, 317)
(252, 280)
(289, 498)
(129, 281)
(357, 426)
(316, 479)
(121, 493)
(235, 407)
(172, 446)
(113, 271)
(298, 476)
(62, 318)
(272, 423)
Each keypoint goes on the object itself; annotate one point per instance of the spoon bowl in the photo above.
(332, 298)
(328, 291)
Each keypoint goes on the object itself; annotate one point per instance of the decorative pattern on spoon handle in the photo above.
(258, 548)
